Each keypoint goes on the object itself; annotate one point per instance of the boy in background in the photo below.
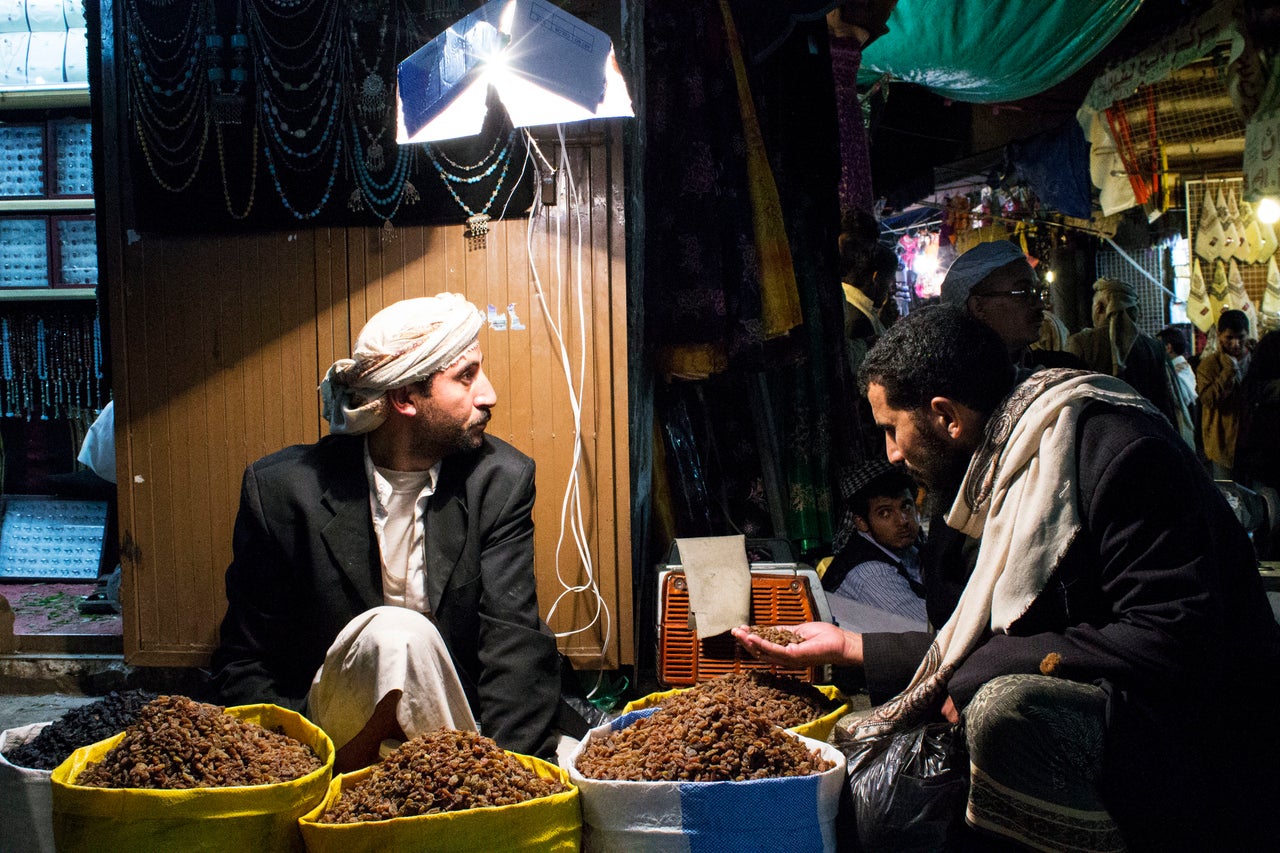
(874, 581)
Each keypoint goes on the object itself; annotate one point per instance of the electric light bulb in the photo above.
(925, 264)
(1049, 276)
(1268, 210)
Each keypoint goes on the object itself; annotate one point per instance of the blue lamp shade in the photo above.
(547, 67)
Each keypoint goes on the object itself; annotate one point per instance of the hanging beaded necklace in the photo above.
(302, 68)
(166, 88)
(253, 174)
(382, 183)
(50, 364)
(477, 225)
(6, 368)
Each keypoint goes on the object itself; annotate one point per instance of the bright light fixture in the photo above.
(1268, 210)
(546, 66)
(1049, 277)
(925, 264)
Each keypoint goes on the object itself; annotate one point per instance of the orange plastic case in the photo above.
(776, 599)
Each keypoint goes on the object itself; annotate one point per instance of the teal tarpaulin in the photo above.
(993, 50)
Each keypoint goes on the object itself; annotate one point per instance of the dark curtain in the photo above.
(702, 294)
(702, 297)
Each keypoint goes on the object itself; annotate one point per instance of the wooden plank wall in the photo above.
(219, 343)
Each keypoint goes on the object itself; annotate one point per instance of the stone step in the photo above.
(30, 673)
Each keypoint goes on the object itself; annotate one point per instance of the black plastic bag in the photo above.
(907, 790)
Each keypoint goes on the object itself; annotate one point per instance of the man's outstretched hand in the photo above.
(821, 643)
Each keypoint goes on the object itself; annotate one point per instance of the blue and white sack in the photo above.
(795, 813)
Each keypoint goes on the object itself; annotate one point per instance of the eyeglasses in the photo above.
(1035, 293)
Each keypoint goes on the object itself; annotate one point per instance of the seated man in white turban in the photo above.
(382, 578)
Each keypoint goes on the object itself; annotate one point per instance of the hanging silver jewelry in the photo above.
(477, 223)
(372, 103)
(373, 159)
(477, 231)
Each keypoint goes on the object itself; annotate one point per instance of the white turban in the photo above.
(1115, 304)
(401, 344)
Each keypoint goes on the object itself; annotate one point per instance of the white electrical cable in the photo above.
(571, 510)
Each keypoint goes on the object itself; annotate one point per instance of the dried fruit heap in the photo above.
(179, 743)
(441, 771)
(782, 700)
(699, 739)
(79, 727)
(777, 634)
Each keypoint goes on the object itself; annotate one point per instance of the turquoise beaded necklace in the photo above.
(503, 159)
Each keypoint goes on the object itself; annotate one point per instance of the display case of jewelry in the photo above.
(50, 538)
(24, 251)
(22, 168)
(72, 157)
(76, 243)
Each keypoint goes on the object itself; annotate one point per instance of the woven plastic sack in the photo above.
(550, 824)
(26, 818)
(234, 819)
(795, 814)
(819, 729)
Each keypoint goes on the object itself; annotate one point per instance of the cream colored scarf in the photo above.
(1019, 497)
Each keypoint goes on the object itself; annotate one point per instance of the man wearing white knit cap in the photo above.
(994, 283)
(382, 578)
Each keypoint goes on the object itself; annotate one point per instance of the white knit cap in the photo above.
(401, 344)
(968, 270)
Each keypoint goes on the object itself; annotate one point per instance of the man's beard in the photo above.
(940, 468)
(441, 440)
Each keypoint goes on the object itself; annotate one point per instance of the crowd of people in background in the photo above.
(1224, 401)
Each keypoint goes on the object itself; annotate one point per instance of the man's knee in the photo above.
(1052, 723)
(389, 624)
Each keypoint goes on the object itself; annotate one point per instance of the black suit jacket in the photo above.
(306, 561)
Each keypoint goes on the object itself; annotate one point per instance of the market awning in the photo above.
(985, 51)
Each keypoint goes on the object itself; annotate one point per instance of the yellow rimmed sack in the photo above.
(551, 823)
(819, 729)
(234, 820)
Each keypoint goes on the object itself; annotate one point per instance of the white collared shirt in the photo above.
(398, 501)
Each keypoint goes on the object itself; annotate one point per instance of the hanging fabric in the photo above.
(986, 51)
(1140, 154)
(1241, 251)
(1266, 240)
(1209, 234)
(855, 156)
(778, 293)
(1271, 298)
(1238, 297)
(1199, 310)
(1252, 234)
(1228, 248)
(1218, 289)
